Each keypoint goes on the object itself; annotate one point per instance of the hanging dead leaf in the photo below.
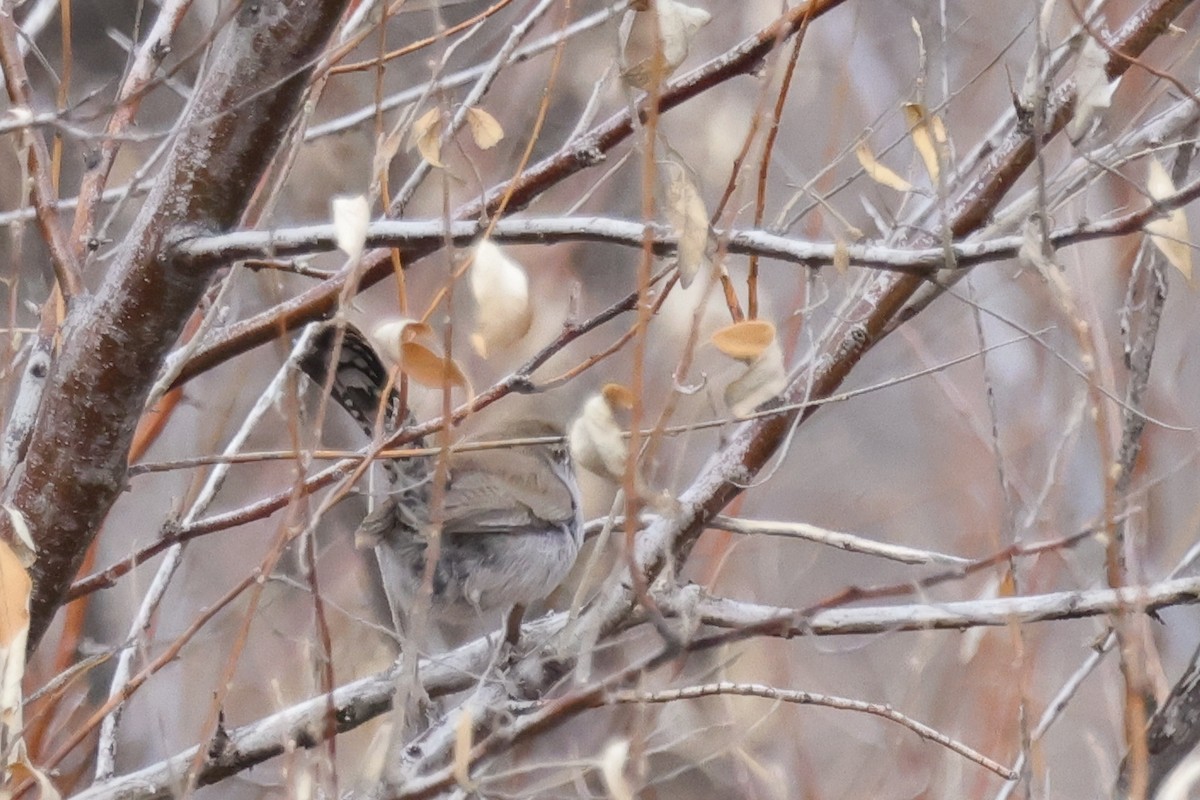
(689, 220)
(1170, 233)
(617, 395)
(744, 340)
(612, 768)
(351, 216)
(15, 586)
(389, 336)
(501, 290)
(485, 130)
(1093, 90)
(920, 129)
(652, 49)
(763, 379)
(427, 136)
(596, 440)
(429, 368)
(877, 171)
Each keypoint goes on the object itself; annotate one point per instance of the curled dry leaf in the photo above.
(399, 340)
(763, 379)
(929, 137)
(841, 256)
(612, 769)
(689, 220)
(15, 587)
(351, 216)
(877, 171)
(431, 369)
(1093, 90)
(427, 136)
(391, 335)
(501, 290)
(596, 441)
(744, 340)
(485, 130)
(753, 343)
(1170, 233)
(655, 38)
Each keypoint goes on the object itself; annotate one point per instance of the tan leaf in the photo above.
(648, 59)
(501, 290)
(763, 379)
(429, 368)
(595, 438)
(1170, 233)
(1093, 90)
(919, 128)
(485, 130)
(617, 395)
(689, 220)
(744, 340)
(427, 136)
(391, 335)
(351, 216)
(612, 769)
(877, 171)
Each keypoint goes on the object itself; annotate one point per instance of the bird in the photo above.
(506, 526)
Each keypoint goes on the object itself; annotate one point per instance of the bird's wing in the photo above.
(522, 497)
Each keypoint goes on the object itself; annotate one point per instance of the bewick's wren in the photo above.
(510, 519)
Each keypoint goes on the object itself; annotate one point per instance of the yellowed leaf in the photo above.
(429, 368)
(651, 49)
(877, 171)
(764, 378)
(351, 216)
(744, 340)
(595, 438)
(919, 128)
(689, 220)
(612, 769)
(389, 336)
(427, 136)
(1169, 234)
(485, 130)
(501, 290)
(617, 395)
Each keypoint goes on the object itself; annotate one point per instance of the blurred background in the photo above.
(964, 461)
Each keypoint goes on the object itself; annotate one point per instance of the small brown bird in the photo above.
(510, 519)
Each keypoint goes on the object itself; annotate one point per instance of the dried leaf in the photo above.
(877, 171)
(647, 59)
(689, 220)
(485, 130)
(921, 131)
(595, 438)
(427, 136)
(391, 335)
(1170, 233)
(763, 379)
(1093, 91)
(429, 368)
(612, 769)
(351, 216)
(27, 550)
(617, 396)
(744, 340)
(501, 290)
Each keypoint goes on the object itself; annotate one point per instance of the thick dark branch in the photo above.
(114, 343)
